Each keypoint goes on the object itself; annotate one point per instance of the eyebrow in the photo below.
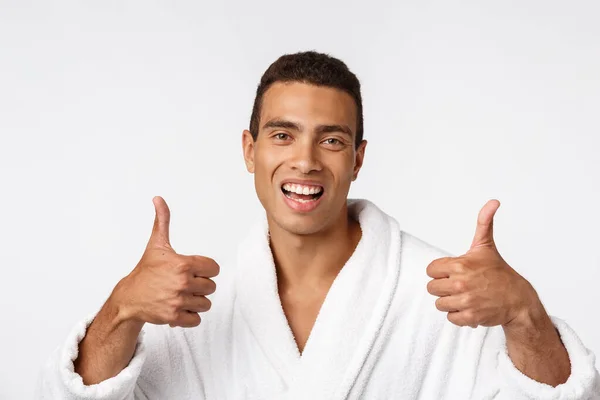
(320, 129)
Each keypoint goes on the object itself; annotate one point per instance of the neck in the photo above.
(313, 261)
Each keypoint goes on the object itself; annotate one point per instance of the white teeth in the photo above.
(301, 189)
(302, 201)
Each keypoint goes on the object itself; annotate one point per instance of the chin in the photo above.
(300, 224)
(294, 222)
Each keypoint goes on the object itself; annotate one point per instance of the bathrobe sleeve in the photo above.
(58, 379)
(511, 384)
(583, 383)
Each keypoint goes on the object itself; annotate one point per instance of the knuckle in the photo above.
(460, 285)
(461, 268)
(183, 265)
(469, 317)
(172, 315)
(467, 300)
(177, 303)
(183, 281)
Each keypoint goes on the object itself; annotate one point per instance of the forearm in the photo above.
(108, 346)
(535, 348)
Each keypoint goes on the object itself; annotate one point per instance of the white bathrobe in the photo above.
(378, 335)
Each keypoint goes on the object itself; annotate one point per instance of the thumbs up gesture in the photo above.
(166, 287)
(479, 287)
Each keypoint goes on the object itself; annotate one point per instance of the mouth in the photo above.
(294, 192)
(301, 197)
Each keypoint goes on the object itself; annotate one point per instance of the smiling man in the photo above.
(329, 298)
(304, 159)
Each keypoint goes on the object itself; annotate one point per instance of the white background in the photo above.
(106, 104)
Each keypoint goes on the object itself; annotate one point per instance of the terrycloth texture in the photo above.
(378, 335)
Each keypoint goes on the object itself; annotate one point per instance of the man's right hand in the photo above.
(165, 287)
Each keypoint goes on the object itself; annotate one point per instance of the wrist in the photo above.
(535, 348)
(120, 313)
(532, 327)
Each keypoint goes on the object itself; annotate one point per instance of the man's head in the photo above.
(311, 68)
(306, 125)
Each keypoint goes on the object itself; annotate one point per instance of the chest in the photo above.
(301, 311)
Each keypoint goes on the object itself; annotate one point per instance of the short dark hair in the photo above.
(313, 68)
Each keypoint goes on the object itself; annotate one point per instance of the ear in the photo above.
(358, 158)
(248, 150)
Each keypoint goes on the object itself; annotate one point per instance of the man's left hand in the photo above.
(479, 287)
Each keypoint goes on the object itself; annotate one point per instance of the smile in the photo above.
(302, 198)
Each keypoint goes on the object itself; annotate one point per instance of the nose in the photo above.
(306, 157)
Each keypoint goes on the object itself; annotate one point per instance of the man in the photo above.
(329, 298)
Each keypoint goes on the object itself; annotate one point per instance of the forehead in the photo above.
(308, 104)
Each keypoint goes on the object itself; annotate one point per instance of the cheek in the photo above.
(265, 165)
(344, 170)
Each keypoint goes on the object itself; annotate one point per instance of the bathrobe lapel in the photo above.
(257, 299)
(349, 320)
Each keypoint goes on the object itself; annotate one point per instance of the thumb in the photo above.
(160, 230)
(484, 233)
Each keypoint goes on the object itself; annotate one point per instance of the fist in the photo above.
(479, 287)
(166, 287)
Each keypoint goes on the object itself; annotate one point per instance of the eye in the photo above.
(336, 141)
(281, 136)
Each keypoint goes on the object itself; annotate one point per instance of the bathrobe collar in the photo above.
(349, 320)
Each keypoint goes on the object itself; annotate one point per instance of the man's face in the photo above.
(306, 133)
